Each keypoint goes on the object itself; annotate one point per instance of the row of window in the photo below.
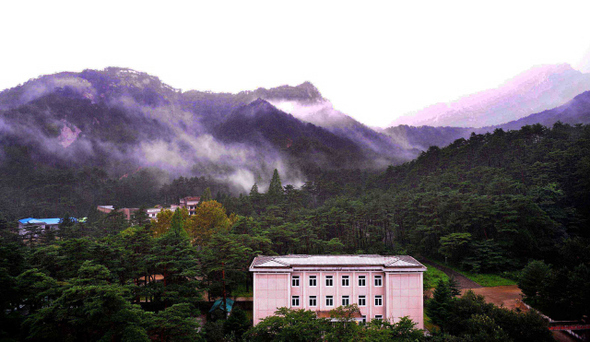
(313, 300)
(362, 280)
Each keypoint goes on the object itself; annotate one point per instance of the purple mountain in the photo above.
(535, 90)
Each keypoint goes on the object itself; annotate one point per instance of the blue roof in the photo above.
(229, 303)
(25, 220)
(48, 221)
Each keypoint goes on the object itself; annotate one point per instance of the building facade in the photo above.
(41, 225)
(127, 212)
(383, 287)
(152, 213)
(190, 203)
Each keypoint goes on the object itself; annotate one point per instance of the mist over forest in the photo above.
(278, 171)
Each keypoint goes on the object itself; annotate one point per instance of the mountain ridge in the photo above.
(537, 89)
(120, 119)
(575, 111)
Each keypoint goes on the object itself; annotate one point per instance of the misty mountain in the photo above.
(425, 136)
(213, 108)
(320, 112)
(122, 120)
(535, 90)
(305, 103)
(576, 111)
(260, 123)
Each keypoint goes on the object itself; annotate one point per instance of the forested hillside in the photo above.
(120, 120)
(491, 203)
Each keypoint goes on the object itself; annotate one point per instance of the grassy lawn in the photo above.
(486, 280)
(432, 276)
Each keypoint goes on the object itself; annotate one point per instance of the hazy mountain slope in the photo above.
(535, 90)
(425, 136)
(261, 124)
(213, 108)
(574, 112)
(122, 120)
(320, 112)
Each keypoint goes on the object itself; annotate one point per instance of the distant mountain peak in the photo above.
(305, 92)
(537, 89)
(309, 87)
(256, 108)
(261, 103)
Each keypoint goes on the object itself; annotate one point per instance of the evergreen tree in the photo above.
(206, 196)
(437, 308)
(177, 225)
(67, 228)
(275, 189)
(256, 199)
(140, 217)
(454, 286)
(89, 309)
(236, 324)
(532, 279)
(176, 323)
(175, 259)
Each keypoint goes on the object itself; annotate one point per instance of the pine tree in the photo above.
(177, 225)
(256, 199)
(206, 196)
(254, 191)
(454, 286)
(275, 189)
(437, 308)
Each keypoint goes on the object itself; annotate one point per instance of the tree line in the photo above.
(491, 203)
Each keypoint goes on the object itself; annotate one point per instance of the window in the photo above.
(295, 281)
(313, 281)
(378, 316)
(345, 281)
(345, 300)
(378, 300)
(378, 281)
(295, 301)
(362, 281)
(329, 300)
(313, 301)
(329, 280)
(362, 301)
(364, 318)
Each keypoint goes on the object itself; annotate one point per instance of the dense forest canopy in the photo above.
(495, 203)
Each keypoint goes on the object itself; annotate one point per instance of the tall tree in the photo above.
(89, 309)
(206, 196)
(210, 217)
(437, 308)
(275, 188)
(225, 261)
(175, 259)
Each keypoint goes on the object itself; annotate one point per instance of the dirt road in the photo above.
(503, 296)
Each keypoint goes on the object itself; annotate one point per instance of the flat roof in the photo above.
(48, 221)
(291, 260)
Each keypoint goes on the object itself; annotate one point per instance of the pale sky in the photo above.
(374, 60)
